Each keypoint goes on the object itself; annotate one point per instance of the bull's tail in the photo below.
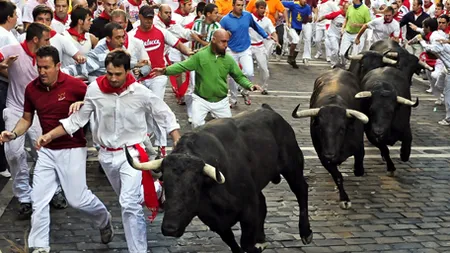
(266, 106)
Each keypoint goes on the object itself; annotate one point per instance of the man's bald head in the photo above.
(220, 33)
(164, 7)
(219, 42)
(82, 3)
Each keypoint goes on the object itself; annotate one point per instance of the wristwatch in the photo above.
(15, 135)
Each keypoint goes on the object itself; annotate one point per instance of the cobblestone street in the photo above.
(406, 213)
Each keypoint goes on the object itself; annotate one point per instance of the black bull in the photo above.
(218, 172)
(336, 126)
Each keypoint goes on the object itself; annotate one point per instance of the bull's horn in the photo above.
(355, 57)
(391, 54)
(152, 165)
(402, 100)
(359, 115)
(210, 171)
(425, 66)
(307, 113)
(348, 50)
(363, 94)
(389, 61)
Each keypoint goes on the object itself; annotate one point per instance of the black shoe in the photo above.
(25, 211)
(59, 201)
(264, 92)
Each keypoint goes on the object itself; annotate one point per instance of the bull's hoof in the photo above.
(390, 173)
(261, 246)
(345, 205)
(308, 239)
(404, 157)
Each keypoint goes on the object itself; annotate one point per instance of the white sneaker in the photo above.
(438, 101)
(317, 56)
(41, 250)
(306, 62)
(278, 57)
(328, 59)
(444, 122)
(5, 174)
(429, 90)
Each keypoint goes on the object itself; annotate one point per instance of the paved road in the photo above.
(407, 213)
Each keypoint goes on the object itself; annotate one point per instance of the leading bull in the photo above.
(387, 101)
(336, 125)
(218, 173)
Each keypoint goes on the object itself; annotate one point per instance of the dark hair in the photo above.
(447, 18)
(394, 4)
(440, 5)
(389, 8)
(234, 1)
(200, 7)
(79, 13)
(42, 9)
(430, 23)
(110, 27)
(260, 3)
(419, 2)
(209, 8)
(48, 51)
(91, 3)
(67, 1)
(36, 30)
(118, 58)
(6, 10)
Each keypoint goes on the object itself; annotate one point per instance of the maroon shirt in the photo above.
(52, 104)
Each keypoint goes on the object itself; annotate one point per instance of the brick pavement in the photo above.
(408, 213)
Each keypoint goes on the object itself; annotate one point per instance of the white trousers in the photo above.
(320, 36)
(17, 156)
(261, 56)
(67, 167)
(188, 95)
(201, 107)
(157, 85)
(126, 182)
(346, 41)
(306, 35)
(332, 43)
(245, 59)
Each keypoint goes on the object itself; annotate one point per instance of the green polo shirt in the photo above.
(211, 72)
(361, 15)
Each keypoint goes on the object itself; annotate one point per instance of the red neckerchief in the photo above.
(28, 52)
(258, 17)
(418, 12)
(61, 20)
(150, 196)
(52, 33)
(80, 37)
(179, 12)
(429, 5)
(109, 46)
(427, 37)
(324, 1)
(104, 15)
(447, 30)
(125, 44)
(105, 87)
(172, 22)
(132, 2)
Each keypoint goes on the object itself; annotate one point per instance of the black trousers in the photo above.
(3, 93)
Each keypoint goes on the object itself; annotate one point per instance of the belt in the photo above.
(116, 149)
(258, 44)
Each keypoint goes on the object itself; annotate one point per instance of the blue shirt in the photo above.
(238, 26)
(298, 14)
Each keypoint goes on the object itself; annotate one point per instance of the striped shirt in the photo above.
(201, 28)
(441, 50)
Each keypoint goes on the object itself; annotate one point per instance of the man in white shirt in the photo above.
(61, 20)
(123, 109)
(324, 7)
(257, 47)
(383, 27)
(8, 20)
(44, 15)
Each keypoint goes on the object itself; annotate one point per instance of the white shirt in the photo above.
(83, 47)
(119, 120)
(60, 27)
(172, 3)
(7, 37)
(324, 9)
(383, 31)
(136, 49)
(27, 13)
(62, 43)
(265, 24)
